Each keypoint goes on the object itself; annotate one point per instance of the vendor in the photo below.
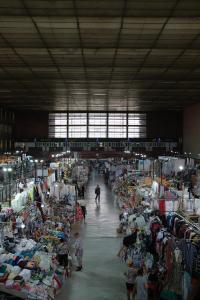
(63, 251)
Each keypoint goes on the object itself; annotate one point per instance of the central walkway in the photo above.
(102, 277)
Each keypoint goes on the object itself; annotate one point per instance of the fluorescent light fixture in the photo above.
(100, 94)
(36, 160)
(79, 93)
(5, 169)
(23, 226)
(9, 169)
(181, 168)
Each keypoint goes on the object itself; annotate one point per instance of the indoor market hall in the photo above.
(102, 276)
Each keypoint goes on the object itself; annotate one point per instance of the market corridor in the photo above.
(102, 276)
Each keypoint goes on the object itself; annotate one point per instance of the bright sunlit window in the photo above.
(77, 119)
(58, 125)
(77, 131)
(97, 118)
(97, 125)
(97, 131)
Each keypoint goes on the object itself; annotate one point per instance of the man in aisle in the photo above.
(78, 247)
(97, 192)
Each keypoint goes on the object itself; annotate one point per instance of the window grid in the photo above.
(77, 119)
(97, 131)
(77, 131)
(97, 118)
(117, 119)
(97, 125)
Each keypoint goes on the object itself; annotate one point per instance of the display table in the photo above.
(13, 292)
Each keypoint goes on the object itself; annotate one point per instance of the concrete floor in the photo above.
(102, 277)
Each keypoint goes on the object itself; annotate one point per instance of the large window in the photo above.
(58, 132)
(97, 125)
(117, 132)
(77, 131)
(117, 119)
(77, 119)
(58, 125)
(97, 131)
(117, 125)
(97, 118)
(136, 125)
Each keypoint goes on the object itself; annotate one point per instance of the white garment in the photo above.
(140, 221)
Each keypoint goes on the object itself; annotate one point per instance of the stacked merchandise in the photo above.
(28, 269)
(30, 239)
(124, 188)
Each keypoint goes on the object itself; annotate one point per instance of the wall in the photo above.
(31, 125)
(191, 130)
(164, 124)
(6, 129)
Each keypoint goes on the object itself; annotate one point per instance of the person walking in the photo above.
(97, 192)
(82, 203)
(83, 191)
(131, 275)
(78, 247)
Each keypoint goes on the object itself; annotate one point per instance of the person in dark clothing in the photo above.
(62, 251)
(97, 192)
(83, 191)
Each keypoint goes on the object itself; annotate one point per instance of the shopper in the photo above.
(63, 251)
(141, 285)
(79, 213)
(97, 192)
(78, 247)
(82, 203)
(83, 191)
(130, 281)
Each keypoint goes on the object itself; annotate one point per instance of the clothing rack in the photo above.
(192, 224)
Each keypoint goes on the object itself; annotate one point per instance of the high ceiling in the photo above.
(99, 54)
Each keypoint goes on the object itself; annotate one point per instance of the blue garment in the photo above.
(186, 285)
(142, 292)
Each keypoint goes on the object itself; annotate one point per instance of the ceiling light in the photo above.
(79, 93)
(99, 94)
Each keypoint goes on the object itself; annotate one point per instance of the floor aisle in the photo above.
(102, 276)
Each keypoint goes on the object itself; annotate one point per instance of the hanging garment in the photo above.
(186, 285)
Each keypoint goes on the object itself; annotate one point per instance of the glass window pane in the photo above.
(137, 119)
(117, 119)
(136, 132)
(77, 131)
(77, 119)
(97, 118)
(117, 132)
(97, 131)
(58, 125)
(58, 131)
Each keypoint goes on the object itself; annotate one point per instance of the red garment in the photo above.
(79, 214)
(162, 208)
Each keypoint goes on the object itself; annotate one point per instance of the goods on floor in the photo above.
(31, 232)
